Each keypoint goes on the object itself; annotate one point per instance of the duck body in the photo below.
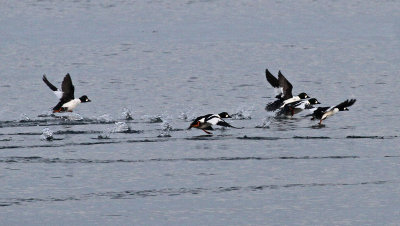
(297, 107)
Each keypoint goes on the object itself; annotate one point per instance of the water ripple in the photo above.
(38, 159)
(148, 193)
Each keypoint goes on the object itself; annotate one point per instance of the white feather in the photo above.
(71, 105)
(331, 111)
(303, 104)
(58, 93)
(313, 109)
(290, 100)
(214, 121)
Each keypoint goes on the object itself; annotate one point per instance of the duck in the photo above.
(323, 113)
(205, 122)
(297, 107)
(67, 101)
(284, 89)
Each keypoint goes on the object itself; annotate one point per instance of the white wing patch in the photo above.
(214, 121)
(303, 104)
(288, 101)
(313, 109)
(58, 93)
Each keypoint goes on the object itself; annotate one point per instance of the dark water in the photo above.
(166, 62)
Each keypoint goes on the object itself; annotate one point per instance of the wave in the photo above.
(135, 194)
(52, 122)
(38, 159)
(371, 137)
(245, 137)
(311, 137)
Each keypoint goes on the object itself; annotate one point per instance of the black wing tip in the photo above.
(51, 86)
(271, 79)
(44, 78)
(345, 104)
(350, 102)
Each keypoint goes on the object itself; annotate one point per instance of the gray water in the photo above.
(166, 62)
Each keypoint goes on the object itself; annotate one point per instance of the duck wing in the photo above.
(271, 79)
(345, 104)
(286, 86)
(56, 91)
(67, 88)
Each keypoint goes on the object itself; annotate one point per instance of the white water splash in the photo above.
(153, 118)
(105, 134)
(165, 130)
(47, 134)
(187, 116)
(243, 113)
(74, 117)
(121, 127)
(265, 123)
(23, 118)
(127, 114)
(105, 118)
(183, 116)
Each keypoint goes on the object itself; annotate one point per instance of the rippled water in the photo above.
(151, 67)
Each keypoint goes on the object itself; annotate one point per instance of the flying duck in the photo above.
(284, 90)
(323, 113)
(206, 121)
(66, 95)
